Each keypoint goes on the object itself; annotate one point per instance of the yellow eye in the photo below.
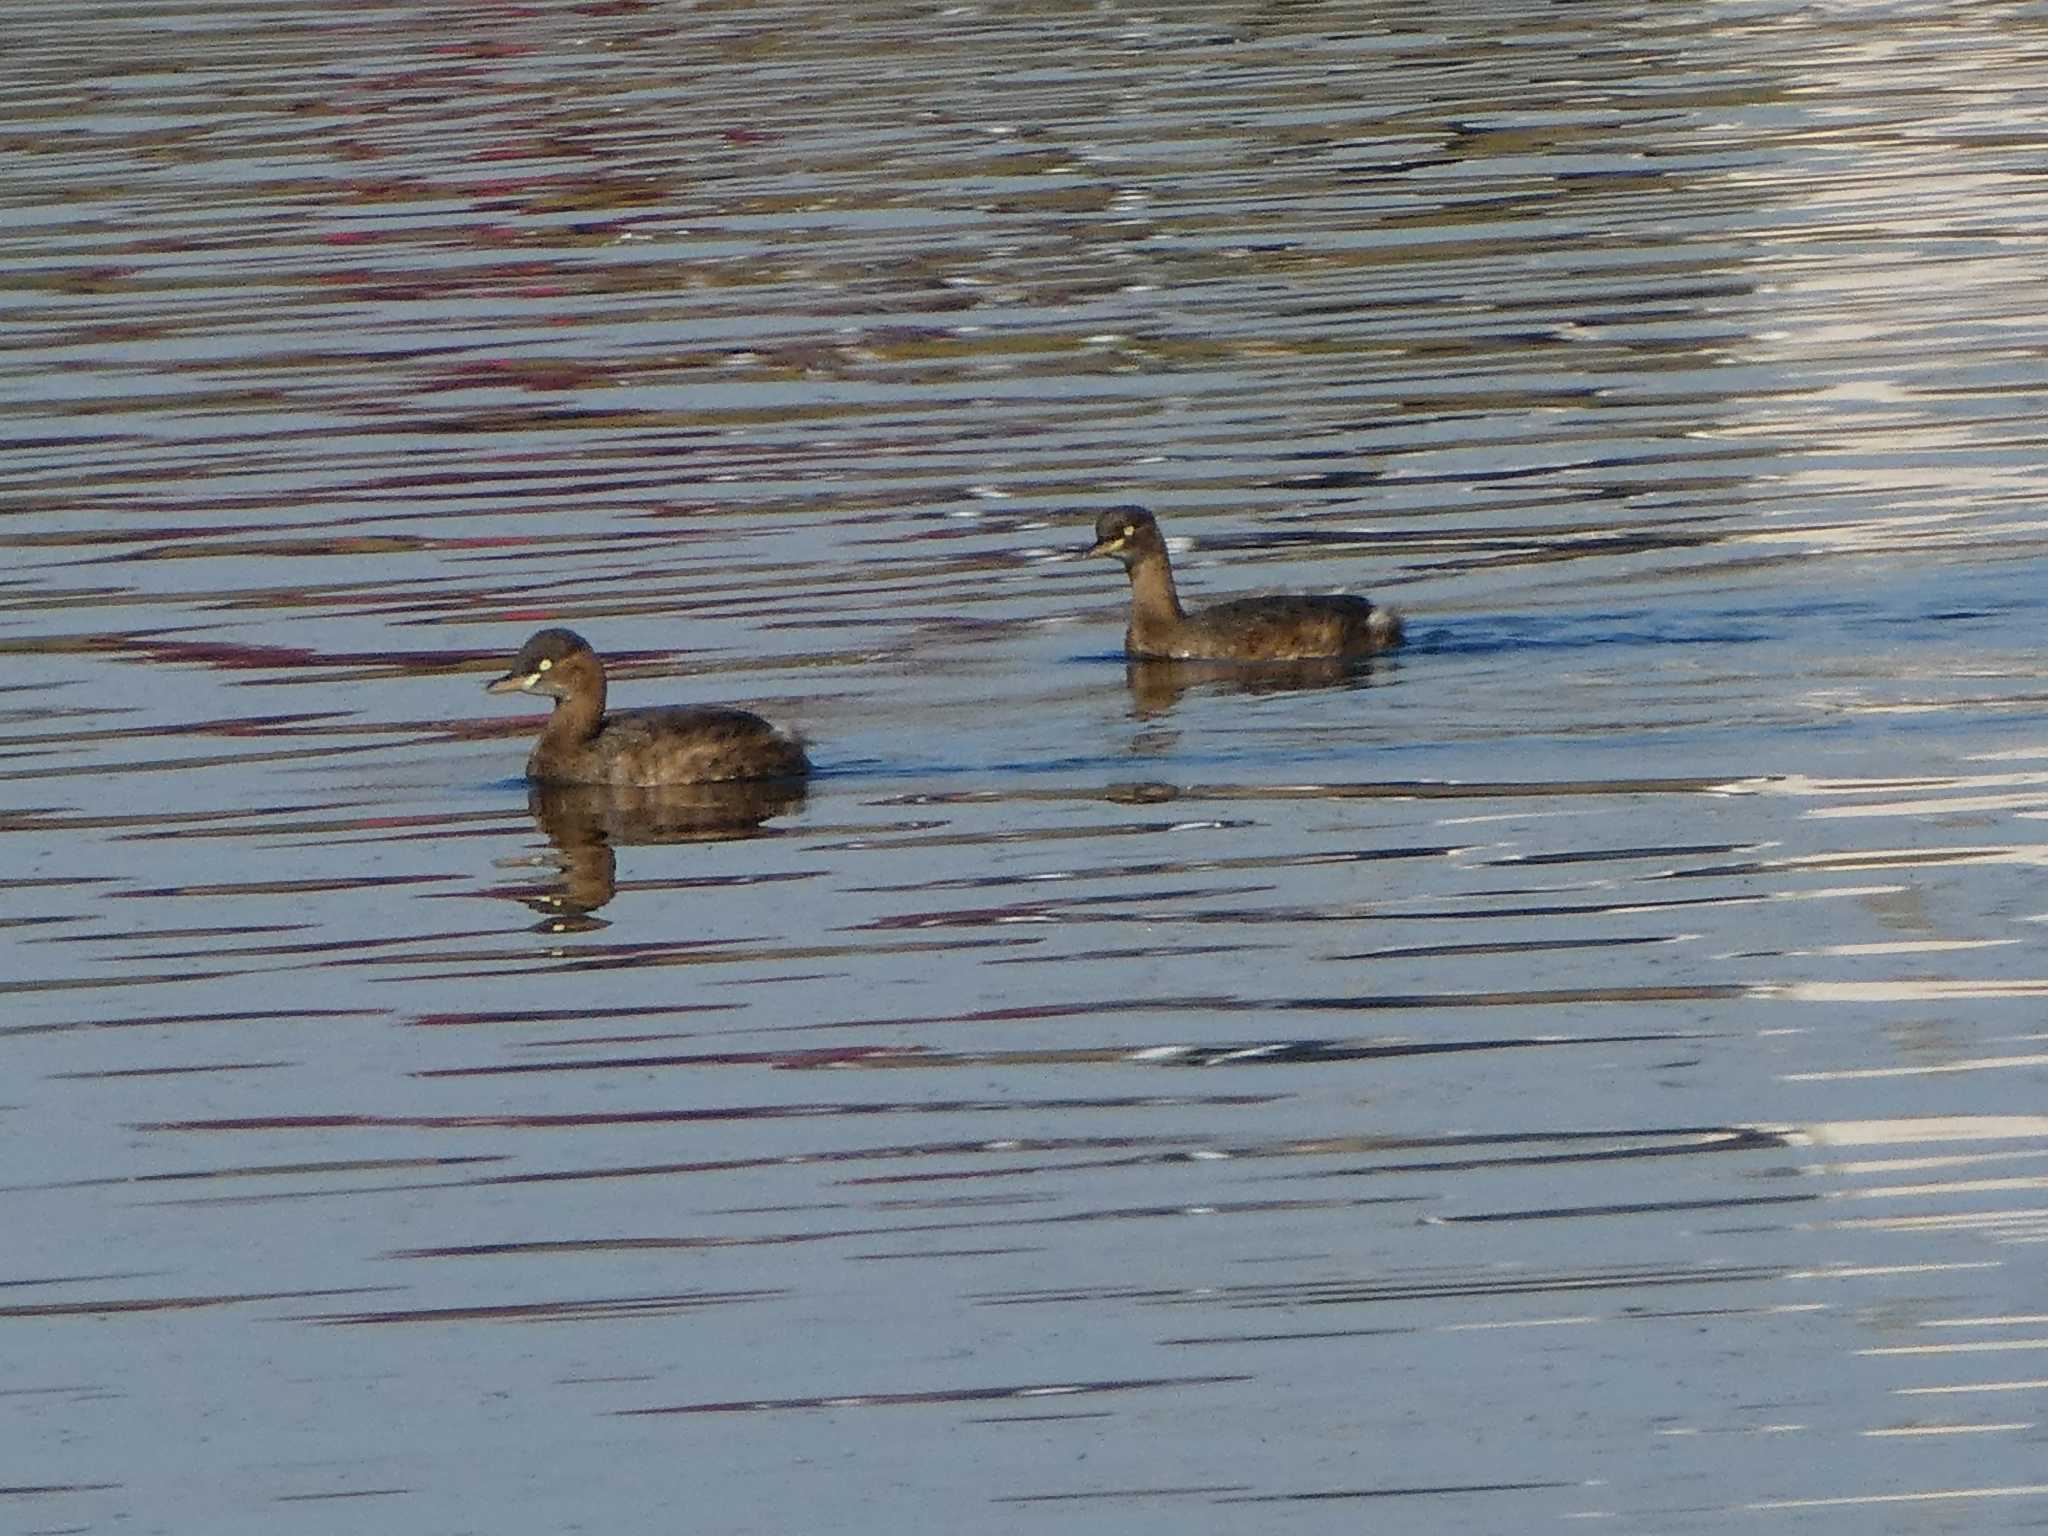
(544, 664)
(1130, 530)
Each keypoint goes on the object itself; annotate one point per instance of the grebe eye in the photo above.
(544, 664)
(1130, 530)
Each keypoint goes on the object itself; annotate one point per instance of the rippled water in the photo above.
(1589, 1066)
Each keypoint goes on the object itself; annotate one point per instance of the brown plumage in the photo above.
(1254, 629)
(581, 744)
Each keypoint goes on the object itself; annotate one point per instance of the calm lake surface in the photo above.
(1590, 1066)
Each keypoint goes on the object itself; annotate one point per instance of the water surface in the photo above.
(1587, 1066)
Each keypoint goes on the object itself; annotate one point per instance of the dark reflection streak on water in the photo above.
(926, 1255)
(558, 962)
(357, 882)
(1036, 1418)
(1876, 859)
(251, 726)
(180, 764)
(381, 828)
(927, 841)
(1373, 910)
(1207, 1210)
(1509, 790)
(1635, 1209)
(894, 1058)
(1360, 1003)
(1616, 855)
(1544, 997)
(176, 1303)
(333, 946)
(92, 1279)
(39, 1490)
(1182, 950)
(1285, 1336)
(96, 983)
(269, 1171)
(1192, 865)
(1448, 1282)
(1005, 1147)
(1189, 1490)
(956, 1395)
(1694, 1141)
(595, 1309)
(491, 830)
(544, 1247)
(808, 1110)
(1734, 1142)
(164, 935)
(168, 824)
(1392, 1493)
(1049, 909)
(1503, 947)
(204, 1067)
(1620, 905)
(1716, 1143)
(164, 1020)
(557, 1015)
(1073, 911)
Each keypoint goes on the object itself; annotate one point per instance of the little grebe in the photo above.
(1253, 629)
(581, 744)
